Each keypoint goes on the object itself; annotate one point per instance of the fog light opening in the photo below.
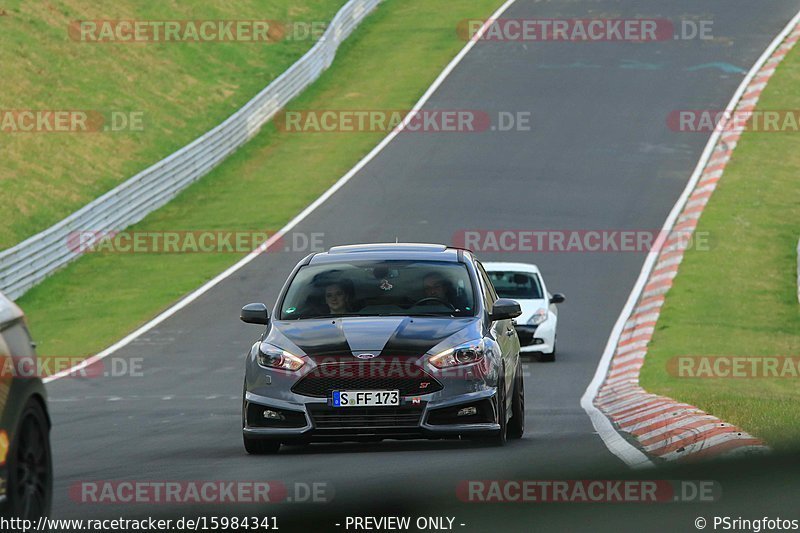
(538, 341)
(467, 411)
(273, 415)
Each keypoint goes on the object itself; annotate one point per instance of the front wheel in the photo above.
(261, 446)
(30, 468)
(516, 426)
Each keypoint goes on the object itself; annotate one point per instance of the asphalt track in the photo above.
(599, 156)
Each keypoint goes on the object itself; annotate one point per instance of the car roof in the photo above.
(389, 251)
(8, 310)
(513, 267)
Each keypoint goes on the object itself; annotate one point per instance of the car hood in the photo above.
(381, 336)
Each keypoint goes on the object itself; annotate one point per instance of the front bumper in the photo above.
(539, 338)
(314, 419)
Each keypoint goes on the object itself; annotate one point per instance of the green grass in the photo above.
(740, 298)
(180, 90)
(101, 297)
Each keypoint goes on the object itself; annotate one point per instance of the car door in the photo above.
(502, 330)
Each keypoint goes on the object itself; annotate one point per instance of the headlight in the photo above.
(538, 317)
(273, 357)
(466, 354)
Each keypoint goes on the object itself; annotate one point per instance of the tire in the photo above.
(516, 426)
(498, 438)
(261, 446)
(30, 466)
(549, 357)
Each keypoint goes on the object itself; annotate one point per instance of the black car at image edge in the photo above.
(26, 476)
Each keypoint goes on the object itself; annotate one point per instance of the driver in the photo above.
(339, 297)
(435, 285)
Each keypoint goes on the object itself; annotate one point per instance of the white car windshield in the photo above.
(516, 285)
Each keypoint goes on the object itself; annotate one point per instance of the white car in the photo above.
(536, 326)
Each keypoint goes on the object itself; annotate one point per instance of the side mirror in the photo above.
(255, 314)
(558, 298)
(504, 309)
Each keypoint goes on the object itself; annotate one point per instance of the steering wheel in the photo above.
(434, 299)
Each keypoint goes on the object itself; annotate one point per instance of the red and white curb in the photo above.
(648, 428)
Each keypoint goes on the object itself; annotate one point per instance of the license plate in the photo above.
(365, 398)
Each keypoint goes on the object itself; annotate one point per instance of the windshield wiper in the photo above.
(424, 314)
(313, 317)
(438, 315)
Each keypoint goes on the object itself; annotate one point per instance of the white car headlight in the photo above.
(538, 317)
(465, 354)
(270, 356)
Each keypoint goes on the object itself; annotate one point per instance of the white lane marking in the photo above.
(620, 447)
(296, 220)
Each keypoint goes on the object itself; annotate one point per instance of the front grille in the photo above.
(365, 417)
(375, 421)
(409, 379)
(525, 334)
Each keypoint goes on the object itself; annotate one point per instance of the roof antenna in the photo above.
(396, 240)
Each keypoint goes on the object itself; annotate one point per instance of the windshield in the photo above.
(379, 288)
(516, 285)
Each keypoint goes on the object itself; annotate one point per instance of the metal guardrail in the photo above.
(29, 262)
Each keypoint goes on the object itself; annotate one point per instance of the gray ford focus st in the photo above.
(384, 341)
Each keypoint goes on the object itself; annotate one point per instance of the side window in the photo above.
(489, 294)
